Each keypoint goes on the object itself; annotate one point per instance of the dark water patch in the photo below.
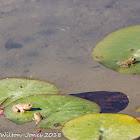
(10, 44)
(47, 32)
(110, 102)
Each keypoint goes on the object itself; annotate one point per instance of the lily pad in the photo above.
(12, 89)
(107, 126)
(120, 46)
(55, 109)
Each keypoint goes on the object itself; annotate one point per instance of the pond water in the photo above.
(52, 40)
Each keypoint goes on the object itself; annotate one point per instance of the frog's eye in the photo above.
(30, 104)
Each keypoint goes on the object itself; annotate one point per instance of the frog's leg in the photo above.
(15, 109)
(133, 64)
(22, 110)
(124, 66)
(35, 120)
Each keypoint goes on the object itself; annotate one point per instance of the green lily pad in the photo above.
(120, 46)
(56, 109)
(107, 126)
(12, 89)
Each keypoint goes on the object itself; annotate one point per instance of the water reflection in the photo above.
(110, 102)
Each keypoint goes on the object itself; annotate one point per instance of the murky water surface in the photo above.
(52, 40)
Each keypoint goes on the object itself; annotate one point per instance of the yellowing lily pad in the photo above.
(107, 126)
(120, 46)
(55, 109)
(12, 89)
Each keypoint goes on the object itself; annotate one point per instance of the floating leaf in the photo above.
(56, 109)
(108, 126)
(12, 89)
(119, 46)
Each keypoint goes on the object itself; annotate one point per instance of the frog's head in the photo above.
(30, 105)
(134, 59)
(37, 114)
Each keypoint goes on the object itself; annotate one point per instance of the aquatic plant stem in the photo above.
(1, 112)
(39, 130)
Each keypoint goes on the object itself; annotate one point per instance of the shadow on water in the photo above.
(110, 102)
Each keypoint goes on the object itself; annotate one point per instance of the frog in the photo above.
(37, 117)
(127, 63)
(22, 107)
